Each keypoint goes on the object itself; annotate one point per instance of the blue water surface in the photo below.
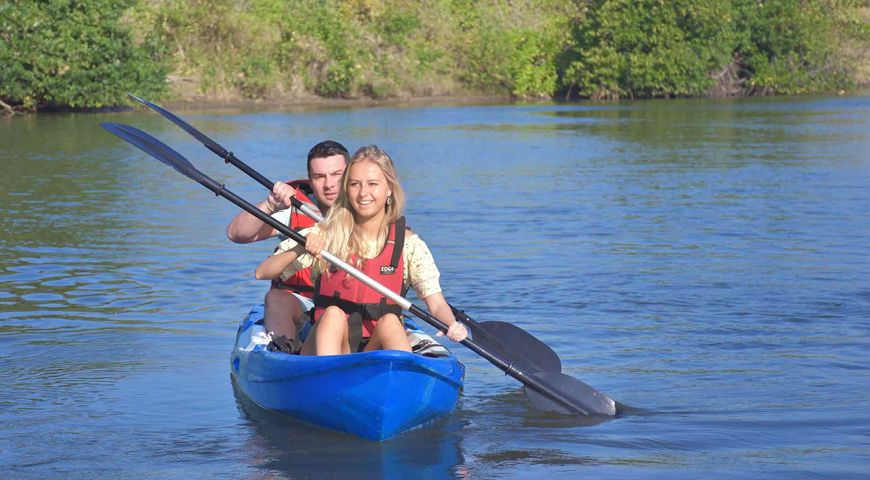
(704, 262)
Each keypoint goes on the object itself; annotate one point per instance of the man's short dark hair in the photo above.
(327, 148)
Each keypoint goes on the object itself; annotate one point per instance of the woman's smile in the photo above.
(368, 189)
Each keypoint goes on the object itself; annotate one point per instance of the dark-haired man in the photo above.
(289, 299)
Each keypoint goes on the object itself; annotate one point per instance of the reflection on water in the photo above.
(282, 445)
(704, 262)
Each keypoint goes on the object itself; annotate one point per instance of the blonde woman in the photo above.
(366, 229)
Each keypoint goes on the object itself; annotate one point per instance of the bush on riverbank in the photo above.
(649, 48)
(349, 49)
(79, 53)
(791, 46)
(59, 54)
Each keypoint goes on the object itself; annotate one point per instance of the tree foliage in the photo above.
(655, 48)
(87, 53)
(73, 54)
(785, 46)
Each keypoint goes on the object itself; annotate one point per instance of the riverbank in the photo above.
(314, 102)
(190, 101)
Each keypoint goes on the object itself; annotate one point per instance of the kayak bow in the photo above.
(375, 395)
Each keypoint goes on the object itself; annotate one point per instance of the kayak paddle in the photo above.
(548, 391)
(507, 340)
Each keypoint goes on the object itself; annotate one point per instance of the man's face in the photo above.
(325, 177)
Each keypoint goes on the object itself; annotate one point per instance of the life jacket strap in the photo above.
(367, 311)
(399, 240)
(354, 332)
(293, 288)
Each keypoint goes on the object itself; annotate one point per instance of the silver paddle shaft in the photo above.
(312, 213)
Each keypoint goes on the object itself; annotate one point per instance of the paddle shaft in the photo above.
(508, 368)
(230, 158)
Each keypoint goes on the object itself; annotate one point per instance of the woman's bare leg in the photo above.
(389, 334)
(329, 336)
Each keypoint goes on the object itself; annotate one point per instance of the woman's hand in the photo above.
(438, 307)
(457, 332)
(314, 244)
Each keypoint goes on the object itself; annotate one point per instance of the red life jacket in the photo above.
(300, 282)
(362, 304)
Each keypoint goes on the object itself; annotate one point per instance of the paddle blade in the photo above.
(583, 398)
(516, 346)
(154, 147)
(209, 143)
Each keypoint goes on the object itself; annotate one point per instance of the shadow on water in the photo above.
(508, 436)
(514, 405)
(279, 444)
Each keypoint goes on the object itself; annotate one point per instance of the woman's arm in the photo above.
(272, 266)
(438, 307)
(422, 273)
(288, 252)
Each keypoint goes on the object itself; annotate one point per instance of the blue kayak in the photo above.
(375, 395)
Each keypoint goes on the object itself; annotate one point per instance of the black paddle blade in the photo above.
(516, 346)
(584, 399)
(209, 143)
(155, 148)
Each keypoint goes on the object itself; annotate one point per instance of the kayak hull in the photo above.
(375, 395)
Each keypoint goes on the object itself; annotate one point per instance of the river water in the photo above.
(705, 262)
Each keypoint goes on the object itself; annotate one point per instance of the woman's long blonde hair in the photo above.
(343, 238)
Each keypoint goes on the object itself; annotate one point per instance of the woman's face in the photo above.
(367, 190)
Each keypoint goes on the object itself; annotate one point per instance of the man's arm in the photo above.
(246, 228)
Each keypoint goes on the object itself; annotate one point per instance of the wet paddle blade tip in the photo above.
(583, 399)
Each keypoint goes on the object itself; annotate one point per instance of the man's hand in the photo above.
(279, 197)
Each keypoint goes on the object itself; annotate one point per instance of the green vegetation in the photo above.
(649, 48)
(654, 48)
(348, 49)
(72, 54)
(787, 46)
(87, 53)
